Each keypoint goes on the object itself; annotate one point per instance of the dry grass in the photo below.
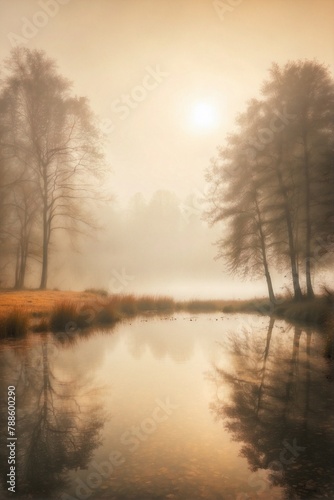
(70, 316)
(64, 316)
(39, 302)
(108, 314)
(14, 324)
(97, 291)
(125, 304)
(155, 304)
(60, 311)
(41, 326)
(315, 311)
(165, 304)
(198, 305)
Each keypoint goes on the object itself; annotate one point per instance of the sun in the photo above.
(204, 116)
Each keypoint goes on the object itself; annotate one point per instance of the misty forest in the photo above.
(270, 186)
(168, 341)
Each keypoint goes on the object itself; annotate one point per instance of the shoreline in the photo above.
(53, 310)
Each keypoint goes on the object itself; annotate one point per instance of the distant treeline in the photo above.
(153, 244)
(272, 183)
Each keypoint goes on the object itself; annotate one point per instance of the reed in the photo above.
(14, 324)
(64, 316)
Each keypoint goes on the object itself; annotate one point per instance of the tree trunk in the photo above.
(309, 288)
(264, 253)
(45, 380)
(17, 267)
(265, 358)
(46, 232)
(293, 370)
(270, 287)
(307, 377)
(44, 276)
(292, 251)
(23, 267)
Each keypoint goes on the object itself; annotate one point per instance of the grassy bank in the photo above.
(317, 311)
(59, 311)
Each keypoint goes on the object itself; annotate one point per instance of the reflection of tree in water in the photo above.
(58, 426)
(280, 408)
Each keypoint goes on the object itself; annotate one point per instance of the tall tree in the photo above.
(5, 186)
(53, 136)
(236, 197)
(268, 158)
(277, 172)
(307, 91)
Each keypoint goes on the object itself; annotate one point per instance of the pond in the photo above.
(184, 407)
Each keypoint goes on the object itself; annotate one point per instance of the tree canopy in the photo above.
(272, 182)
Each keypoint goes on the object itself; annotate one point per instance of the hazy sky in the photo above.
(167, 77)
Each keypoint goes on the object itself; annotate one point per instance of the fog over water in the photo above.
(159, 246)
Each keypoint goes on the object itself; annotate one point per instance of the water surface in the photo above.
(183, 407)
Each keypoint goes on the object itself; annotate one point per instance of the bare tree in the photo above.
(52, 135)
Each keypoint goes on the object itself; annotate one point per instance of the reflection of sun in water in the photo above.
(204, 117)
